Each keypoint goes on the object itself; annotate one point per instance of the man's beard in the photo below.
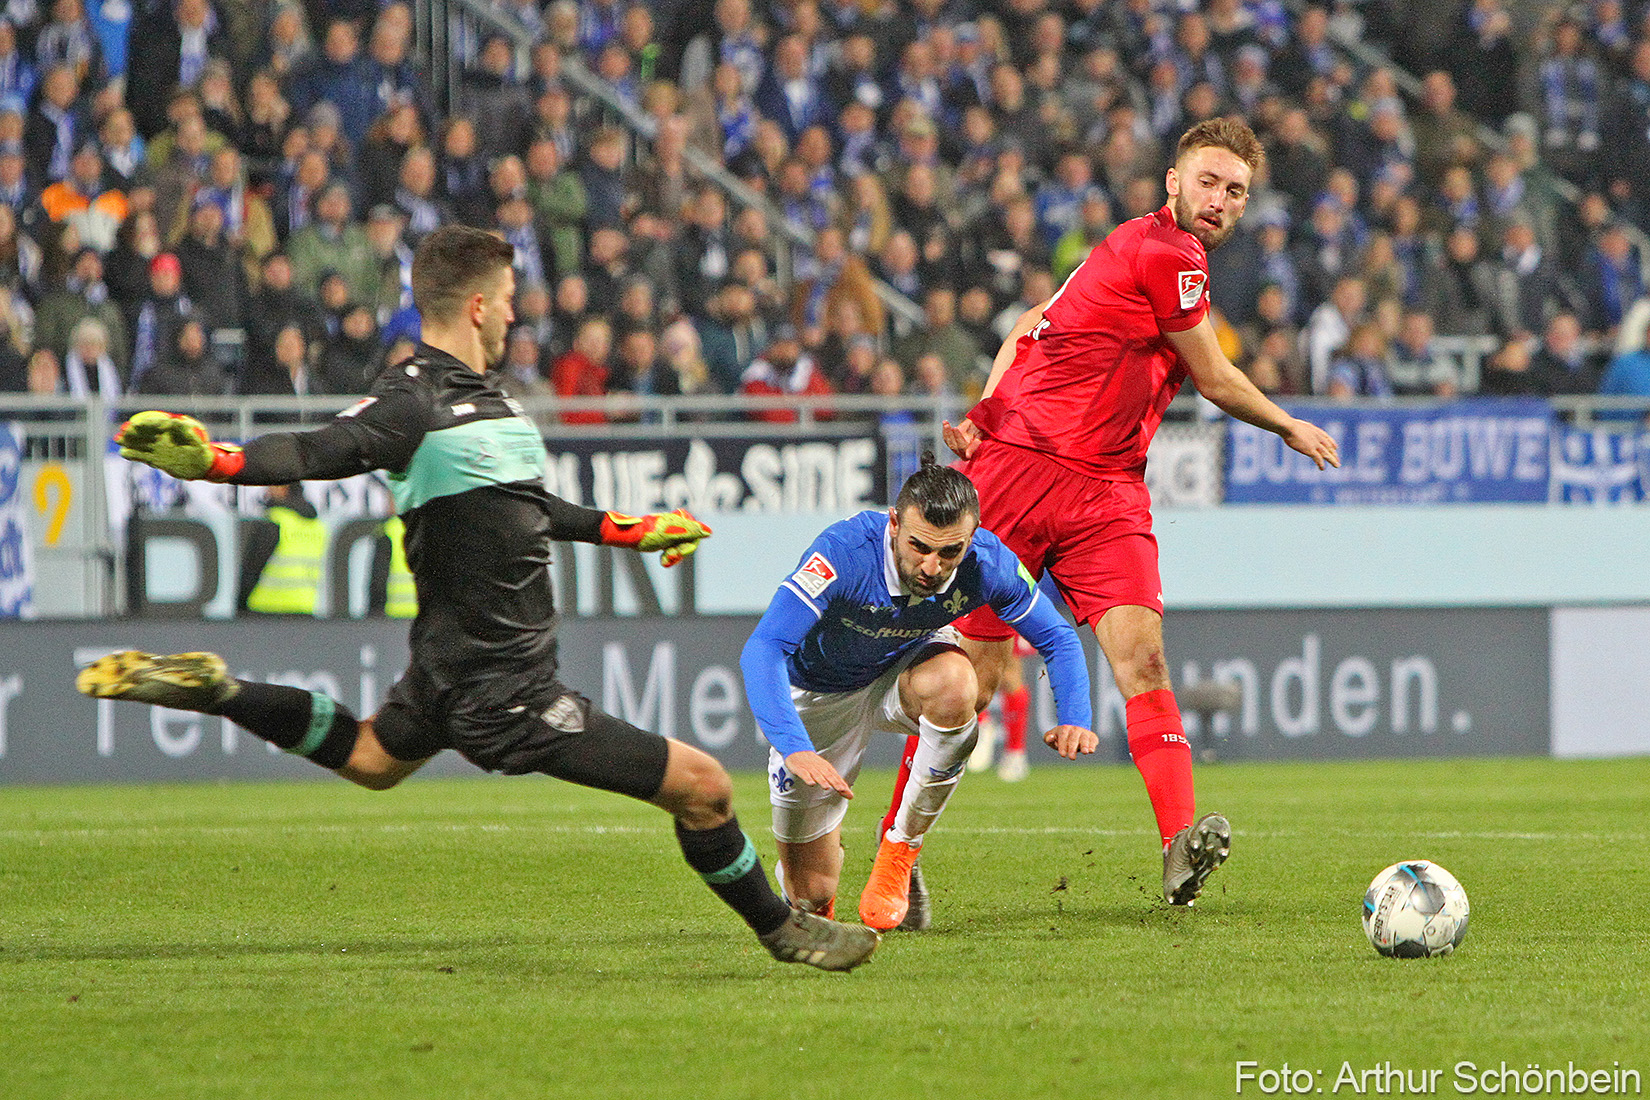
(1193, 224)
(914, 582)
(492, 350)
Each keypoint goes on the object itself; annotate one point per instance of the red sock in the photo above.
(1016, 712)
(1157, 741)
(899, 786)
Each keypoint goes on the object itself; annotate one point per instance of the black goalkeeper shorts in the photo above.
(550, 729)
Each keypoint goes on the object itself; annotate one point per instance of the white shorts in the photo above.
(840, 726)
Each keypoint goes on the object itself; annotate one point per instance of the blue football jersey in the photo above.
(865, 624)
(842, 619)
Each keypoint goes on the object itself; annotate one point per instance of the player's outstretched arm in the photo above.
(379, 432)
(1217, 379)
(676, 533)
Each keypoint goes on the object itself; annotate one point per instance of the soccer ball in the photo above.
(1414, 909)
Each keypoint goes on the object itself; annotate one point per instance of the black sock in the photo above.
(303, 722)
(726, 859)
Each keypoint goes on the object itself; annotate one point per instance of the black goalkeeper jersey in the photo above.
(467, 472)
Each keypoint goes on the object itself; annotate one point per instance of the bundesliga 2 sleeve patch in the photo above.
(815, 575)
(1191, 288)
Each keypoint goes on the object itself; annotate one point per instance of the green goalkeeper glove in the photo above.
(676, 533)
(178, 445)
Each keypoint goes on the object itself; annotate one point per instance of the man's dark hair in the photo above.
(941, 495)
(450, 265)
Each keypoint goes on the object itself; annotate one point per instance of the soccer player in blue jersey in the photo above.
(857, 642)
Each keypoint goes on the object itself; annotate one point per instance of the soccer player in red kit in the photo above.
(1057, 449)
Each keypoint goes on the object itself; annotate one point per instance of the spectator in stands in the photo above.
(395, 80)
(783, 369)
(521, 375)
(788, 92)
(88, 369)
(684, 357)
(186, 162)
(1359, 370)
(340, 75)
(1459, 290)
(559, 203)
(175, 43)
(730, 335)
(416, 195)
(1482, 59)
(298, 180)
(1326, 251)
(1507, 372)
(462, 178)
(391, 301)
(282, 369)
(264, 129)
(1528, 288)
(332, 242)
(187, 367)
(16, 192)
(123, 151)
(491, 94)
(125, 267)
(158, 315)
(584, 371)
(1572, 86)
(838, 276)
(387, 143)
(220, 110)
(1329, 326)
(286, 43)
(940, 335)
(350, 358)
(1415, 367)
(1444, 134)
(274, 305)
(553, 118)
(18, 75)
(82, 295)
(1612, 278)
(703, 251)
(248, 223)
(14, 368)
(56, 125)
(88, 197)
(213, 277)
(731, 40)
(569, 305)
(602, 174)
(1565, 363)
(638, 364)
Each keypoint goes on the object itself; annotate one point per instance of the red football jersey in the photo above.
(1089, 384)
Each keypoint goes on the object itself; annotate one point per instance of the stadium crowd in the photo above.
(222, 196)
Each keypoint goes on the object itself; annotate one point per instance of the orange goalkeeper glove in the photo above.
(676, 533)
(178, 445)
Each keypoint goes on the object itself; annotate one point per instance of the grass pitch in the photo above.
(524, 938)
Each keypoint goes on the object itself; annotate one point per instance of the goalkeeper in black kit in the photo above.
(467, 473)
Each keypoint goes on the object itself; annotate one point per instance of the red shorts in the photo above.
(1093, 536)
